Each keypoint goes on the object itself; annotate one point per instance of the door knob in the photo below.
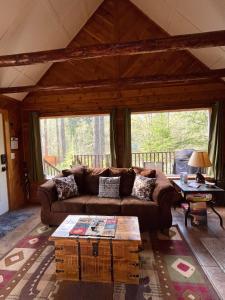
(3, 169)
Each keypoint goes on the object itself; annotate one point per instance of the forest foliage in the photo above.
(170, 131)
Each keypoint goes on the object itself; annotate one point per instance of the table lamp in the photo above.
(199, 159)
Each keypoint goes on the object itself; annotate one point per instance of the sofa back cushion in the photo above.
(150, 173)
(91, 179)
(127, 177)
(78, 173)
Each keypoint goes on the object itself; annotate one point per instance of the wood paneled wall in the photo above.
(116, 21)
(15, 170)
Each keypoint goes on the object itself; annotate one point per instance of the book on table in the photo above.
(198, 212)
(199, 197)
(95, 226)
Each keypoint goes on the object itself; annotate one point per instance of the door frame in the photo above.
(6, 136)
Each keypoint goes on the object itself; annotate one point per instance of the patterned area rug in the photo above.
(11, 220)
(169, 270)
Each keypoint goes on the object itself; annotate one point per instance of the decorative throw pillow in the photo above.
(109, 187)
(66, 187)
(78, 173)
(143, 187)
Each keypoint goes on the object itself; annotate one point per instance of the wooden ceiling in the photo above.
(121, 21)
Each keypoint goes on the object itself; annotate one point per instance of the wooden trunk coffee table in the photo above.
(98, 259)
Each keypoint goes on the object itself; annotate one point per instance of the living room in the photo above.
(112, 166)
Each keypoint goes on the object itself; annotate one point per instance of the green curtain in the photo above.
(217, 143)
(127, 156)
(36, 167)
(113, 133)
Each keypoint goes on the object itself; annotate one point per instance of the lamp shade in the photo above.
(199, 159)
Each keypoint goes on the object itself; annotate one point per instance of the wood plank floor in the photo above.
(191, 234)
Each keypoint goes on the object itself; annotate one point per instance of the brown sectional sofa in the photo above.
(155, 214)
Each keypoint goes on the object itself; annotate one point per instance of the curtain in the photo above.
(36, 167)
(113, 133)
(127, 156)
(217, 143)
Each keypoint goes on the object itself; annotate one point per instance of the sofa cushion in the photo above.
(66, 187)
(103, 206)
(131, 206)
(109, 187)
(78, 173)
(146, 211)
(75, 205)
(143, 187)
(91, 179)
(145, 172)
(127, 177)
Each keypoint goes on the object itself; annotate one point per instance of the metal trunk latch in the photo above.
(95, 249)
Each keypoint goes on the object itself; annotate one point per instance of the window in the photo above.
(70, 141)
(161, 139)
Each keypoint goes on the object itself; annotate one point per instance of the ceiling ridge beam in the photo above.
(119, 83)
(176, 43)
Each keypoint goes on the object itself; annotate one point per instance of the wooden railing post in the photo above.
(49, 169)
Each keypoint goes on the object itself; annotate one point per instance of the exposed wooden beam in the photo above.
(178, 42)
(123, 82)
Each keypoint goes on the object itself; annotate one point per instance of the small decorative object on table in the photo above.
(184, 177)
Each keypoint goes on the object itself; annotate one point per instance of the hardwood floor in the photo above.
(191, 234)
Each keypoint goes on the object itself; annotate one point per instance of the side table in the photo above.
(202, 189)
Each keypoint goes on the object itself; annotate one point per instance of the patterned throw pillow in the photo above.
(66, 187)
(143, 187)
(109, 187)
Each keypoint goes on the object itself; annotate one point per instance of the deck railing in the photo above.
(93, 161)
(49, 169)
(164, 159)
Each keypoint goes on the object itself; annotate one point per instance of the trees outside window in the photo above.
(66, 140)
(170, 131)
(157, 136)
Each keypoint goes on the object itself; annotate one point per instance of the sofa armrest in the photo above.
(164, 193)
(47, 194)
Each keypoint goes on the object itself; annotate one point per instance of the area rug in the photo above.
(11, 220)
(169, 270)
(216, 248)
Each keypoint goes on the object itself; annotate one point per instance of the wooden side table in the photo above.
(202, 189)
